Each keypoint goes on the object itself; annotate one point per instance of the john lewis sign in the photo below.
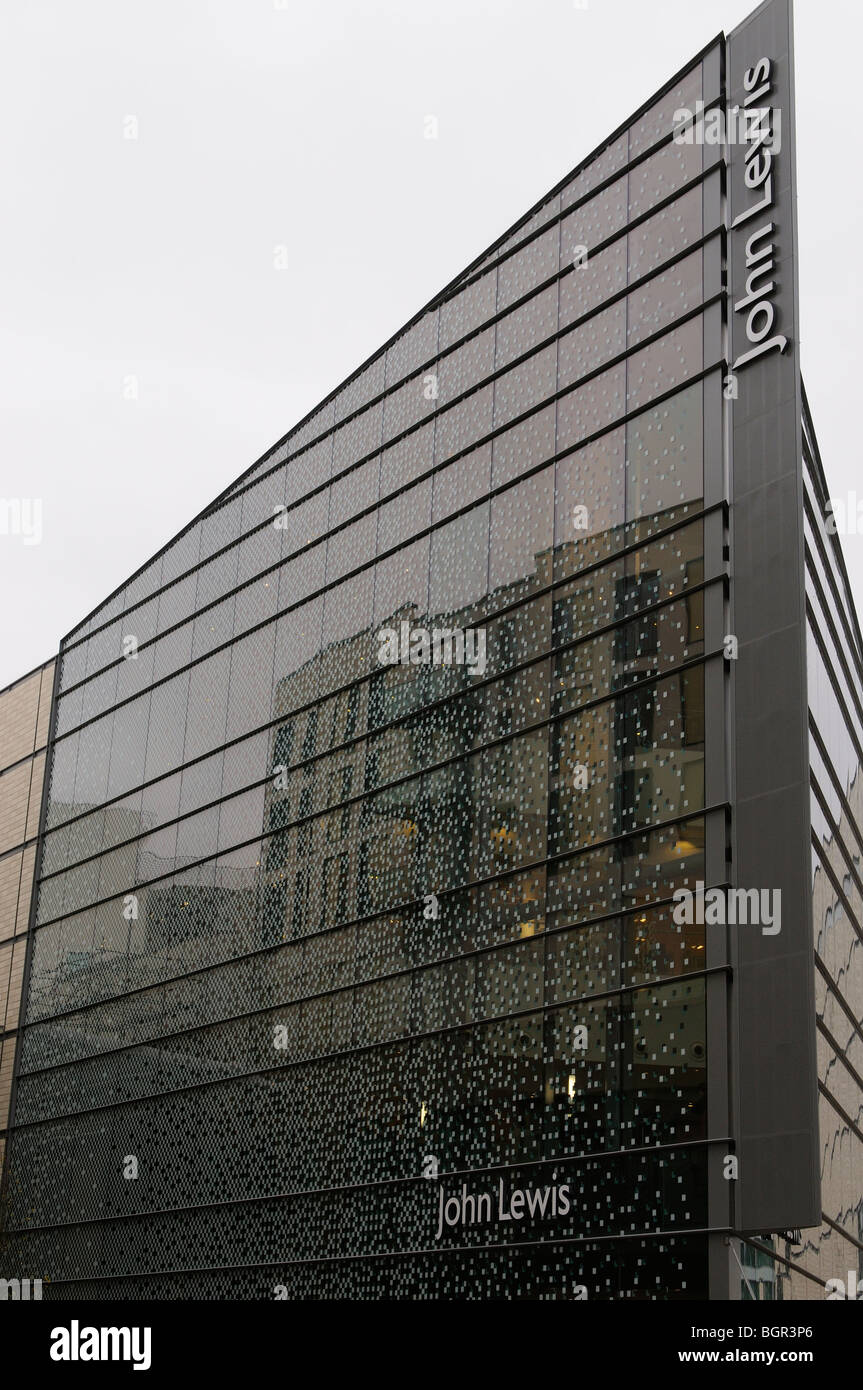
(758, 306)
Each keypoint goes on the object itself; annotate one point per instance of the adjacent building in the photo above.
(25, 709)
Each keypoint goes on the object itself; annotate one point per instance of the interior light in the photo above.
(685, 847)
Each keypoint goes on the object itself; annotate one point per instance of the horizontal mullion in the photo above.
(433, 706)
(354, 1050)
(376, 1184)
(417, 968)
(838, 995)
(407, 904)
(594, 566)
(834, 564)
(406, 1039)
(494, 318)
(492, 493)
(673, 1233)
(839, 1054)
(362, 796)
(838, 630)
(840, 1110)
(852, 725)
(834, 779)
(27, 758)
(274, 947)
(847, 854)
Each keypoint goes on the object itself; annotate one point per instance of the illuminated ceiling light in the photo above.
(685, 847)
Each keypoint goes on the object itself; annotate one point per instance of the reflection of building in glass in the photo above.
(307, 922)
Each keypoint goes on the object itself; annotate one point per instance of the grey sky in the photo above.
(269, 123)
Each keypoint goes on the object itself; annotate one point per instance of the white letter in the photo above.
(60, 1349)
(388, 652)
(770, 926)
(682, 911)
(141, 1354)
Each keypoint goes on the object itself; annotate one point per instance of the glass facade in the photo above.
(310, 925)
(354, 967)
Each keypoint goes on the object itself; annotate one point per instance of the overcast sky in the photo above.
(283, 123)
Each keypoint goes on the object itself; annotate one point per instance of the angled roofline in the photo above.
(403, 328)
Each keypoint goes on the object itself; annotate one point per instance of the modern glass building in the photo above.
(360, 962)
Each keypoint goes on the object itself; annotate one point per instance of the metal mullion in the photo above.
(378, 1183)
(407, 970)
(397, 722)
(853, 725)
(834, 778)
(325, 1057)
(320, 1058)
(404, 780)
(839, 839)
(400, 721)
(283, 945)
(678, 1233)
(531, 866)
(839, 1053)
(631, 548)
(831, 1100)
(838, 600)
(838, 995)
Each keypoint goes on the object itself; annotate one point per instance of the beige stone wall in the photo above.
(25, 710)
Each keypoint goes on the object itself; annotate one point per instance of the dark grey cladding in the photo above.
(772, 1039)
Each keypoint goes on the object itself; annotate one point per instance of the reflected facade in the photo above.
(806, 1260)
